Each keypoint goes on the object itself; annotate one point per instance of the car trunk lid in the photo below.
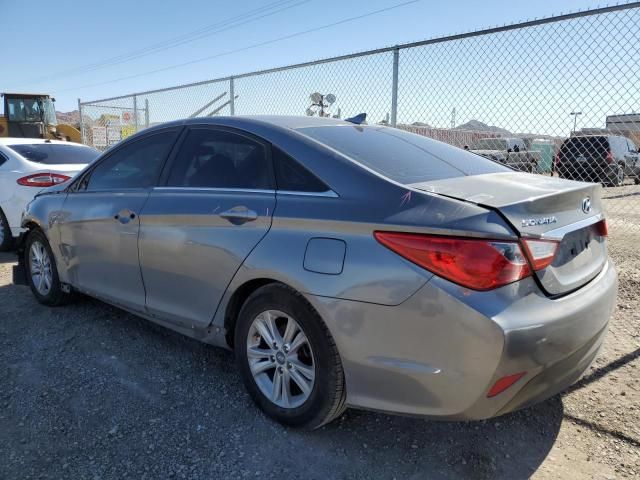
(542, 207)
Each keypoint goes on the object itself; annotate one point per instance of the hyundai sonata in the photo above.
(345, 264)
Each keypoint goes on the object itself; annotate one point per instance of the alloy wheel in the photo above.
(280, 359)
(40, 268)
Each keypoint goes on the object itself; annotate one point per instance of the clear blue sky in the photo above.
(42, 39)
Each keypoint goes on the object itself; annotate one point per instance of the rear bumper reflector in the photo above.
(503, 383)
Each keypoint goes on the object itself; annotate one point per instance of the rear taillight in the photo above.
(602, 228)
(558, 159)
(540, 252)
(478, 264)
(42, 180)
(609, 157)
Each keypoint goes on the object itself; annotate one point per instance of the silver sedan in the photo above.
(345, 264)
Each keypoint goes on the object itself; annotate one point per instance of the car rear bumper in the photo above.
(588, 172)
(439, 353)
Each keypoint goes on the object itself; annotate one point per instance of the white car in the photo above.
(27, 165)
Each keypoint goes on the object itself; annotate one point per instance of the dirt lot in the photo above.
(88, 391)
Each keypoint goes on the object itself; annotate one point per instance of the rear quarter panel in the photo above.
(371, 273)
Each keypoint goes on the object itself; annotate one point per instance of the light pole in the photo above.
(575, 119)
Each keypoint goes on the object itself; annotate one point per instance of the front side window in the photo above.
(134, 165)
(211, 158)
(24, 110)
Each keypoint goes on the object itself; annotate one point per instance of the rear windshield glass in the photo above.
(56, 153)
(586, 146)
(402, 156)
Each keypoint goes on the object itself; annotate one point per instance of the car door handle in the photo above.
(239, 215)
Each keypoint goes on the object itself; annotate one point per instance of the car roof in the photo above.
(596, 135)
(240, 121)
(33, 141)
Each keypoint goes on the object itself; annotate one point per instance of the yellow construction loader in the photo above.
(32, 115)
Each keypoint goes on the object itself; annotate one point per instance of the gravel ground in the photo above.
(88, 391)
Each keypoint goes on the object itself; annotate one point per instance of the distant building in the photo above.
(627, 125)
(626, 122)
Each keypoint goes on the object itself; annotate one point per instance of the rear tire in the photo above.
(288, 359)
(6, 237)
(41, 271)
(618, 179)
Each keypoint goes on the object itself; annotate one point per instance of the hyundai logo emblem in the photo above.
(586, 204)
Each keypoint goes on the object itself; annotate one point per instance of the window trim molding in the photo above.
(73, 187)
(213, 189)
(326, 194)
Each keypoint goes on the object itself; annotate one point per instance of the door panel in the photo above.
(101, 219)
(197, 230)
(192, 242)
(102, 251)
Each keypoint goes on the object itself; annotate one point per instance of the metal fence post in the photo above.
(232, 99)
(394, 87)
(81, 125)
(135, 113)
(146, 112)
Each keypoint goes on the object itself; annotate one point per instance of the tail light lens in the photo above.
(609, 157)
(602, 228)
(42, 180)
(557, 159)
(478, 264)
(541, 252)
(474, 263)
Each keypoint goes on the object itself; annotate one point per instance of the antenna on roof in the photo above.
(358, 119)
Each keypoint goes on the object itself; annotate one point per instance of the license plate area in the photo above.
(577, 245)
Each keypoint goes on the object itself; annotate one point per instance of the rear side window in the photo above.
(211, 158)
(402, 156)
(619, 145)
(134, 165)
(56, 153)
(3, 159)
(292, 176)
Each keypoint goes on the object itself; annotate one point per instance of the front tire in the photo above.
(288, 359)
(6, 237)
(41, 270)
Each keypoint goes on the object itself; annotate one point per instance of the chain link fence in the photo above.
(557, 96)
